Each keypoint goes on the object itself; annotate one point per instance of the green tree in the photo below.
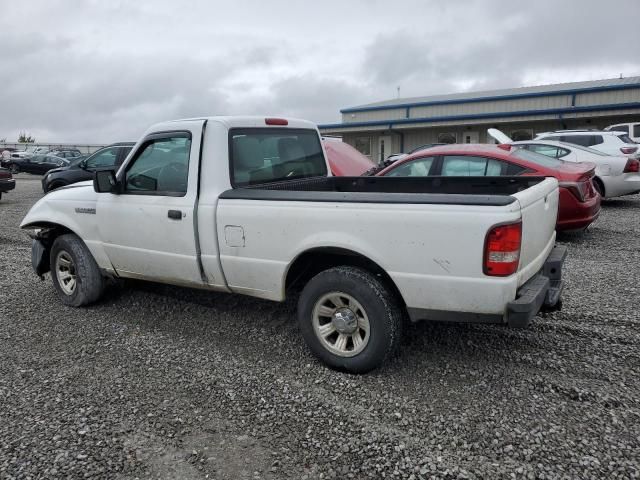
(25, 138)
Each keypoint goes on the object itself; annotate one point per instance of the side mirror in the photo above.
(104, 181)
(83, 164)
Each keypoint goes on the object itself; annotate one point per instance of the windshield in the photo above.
(537, 158)
(264, 155)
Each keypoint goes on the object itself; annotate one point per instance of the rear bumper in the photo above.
(542, 290)
(6, 185)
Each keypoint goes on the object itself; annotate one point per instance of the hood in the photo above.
(59, 206)
(499, 136)
(344, 160)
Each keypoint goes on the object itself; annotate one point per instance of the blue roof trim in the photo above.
(552, 93)
(477, 116)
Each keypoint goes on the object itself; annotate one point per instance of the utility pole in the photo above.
(398, 91)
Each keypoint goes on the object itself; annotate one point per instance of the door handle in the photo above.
(175, 214)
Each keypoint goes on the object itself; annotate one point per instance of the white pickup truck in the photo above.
(247, 205)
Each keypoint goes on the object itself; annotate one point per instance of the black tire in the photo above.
(599, 186)
(382, 309)
(13, 168)
(89, 282)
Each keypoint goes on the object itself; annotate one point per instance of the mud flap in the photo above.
(40, 258)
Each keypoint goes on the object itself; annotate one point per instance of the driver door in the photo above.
(148, 229)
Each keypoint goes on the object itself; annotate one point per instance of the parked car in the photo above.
(615, 175)
(611, 143)
(631, 129)
(82, 168)
(579, 202)
(68, 153)
(258, 214)
(344, 160)
(7, 183)
(399, 156)
(38, 164)
(29, 152)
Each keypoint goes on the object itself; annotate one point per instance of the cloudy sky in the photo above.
(103, 71)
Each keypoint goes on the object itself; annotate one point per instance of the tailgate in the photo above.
(539, 210)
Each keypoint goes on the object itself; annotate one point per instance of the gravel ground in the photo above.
(163, 382)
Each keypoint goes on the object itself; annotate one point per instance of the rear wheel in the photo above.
(350, 319)
(75, 274)
(599, 186)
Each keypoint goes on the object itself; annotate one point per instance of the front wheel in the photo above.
(350, 319)
(13, 168)
(76, 276)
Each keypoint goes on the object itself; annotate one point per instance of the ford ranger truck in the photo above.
(247, 205)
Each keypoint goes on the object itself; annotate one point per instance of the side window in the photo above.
(584, 140)
(548, 150)
(160, 167)
(562, 152)
(463, 166)
(621, 128)
(417, 168)
(595, 140)
(636, 130)
(104, 158)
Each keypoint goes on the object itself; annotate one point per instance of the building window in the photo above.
(447, 137)
(363, 145)
(521, 135)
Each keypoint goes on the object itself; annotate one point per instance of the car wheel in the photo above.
(599, 186)
(350, 319)
(76, 276)
(13, 168)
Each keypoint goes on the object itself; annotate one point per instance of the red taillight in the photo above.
(5, 174)
(276, 121)
(628, 150)
(580, 190)
(502, 250)
(632, 166)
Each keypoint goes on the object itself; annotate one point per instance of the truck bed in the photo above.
(490, 191)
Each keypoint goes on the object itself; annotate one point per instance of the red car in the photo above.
(6, 181)
(579, 203)
(344, 160)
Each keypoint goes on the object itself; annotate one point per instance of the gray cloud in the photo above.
(104, 71)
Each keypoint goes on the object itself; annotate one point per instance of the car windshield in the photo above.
(537, 158)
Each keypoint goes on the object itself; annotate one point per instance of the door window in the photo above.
(636, 130)
(418, 168)
(549, 150)
(161, 167)
(470, 166)
(104, 158)
(620, 128)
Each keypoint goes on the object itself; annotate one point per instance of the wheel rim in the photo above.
(66, 272)
(14, 169)
(341, 324)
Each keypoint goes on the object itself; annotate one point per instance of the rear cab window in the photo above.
(266, 155)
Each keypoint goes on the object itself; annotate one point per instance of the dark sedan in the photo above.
(6, 181)
(38, 164)
(80, 170)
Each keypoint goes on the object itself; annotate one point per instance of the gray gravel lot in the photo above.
(163, 382)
